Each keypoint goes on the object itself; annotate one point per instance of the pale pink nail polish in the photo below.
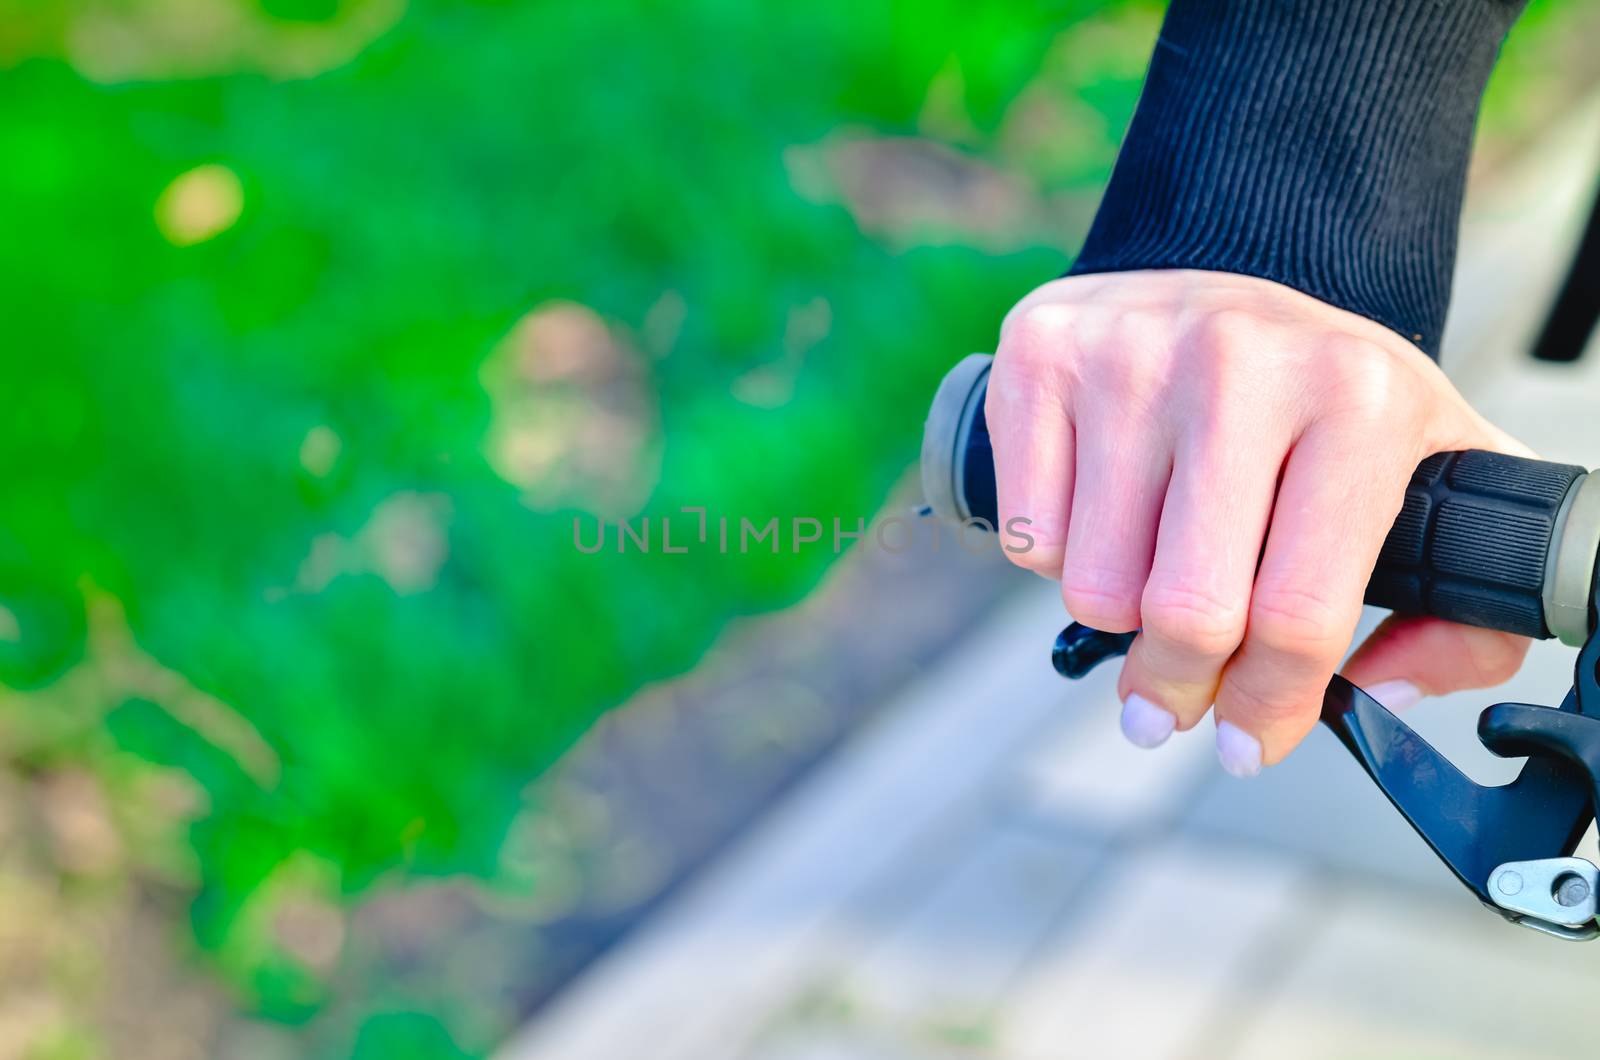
(1397, 695)
(1144, 723)
(1239, 752)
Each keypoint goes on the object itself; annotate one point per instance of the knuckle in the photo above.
(1226, 330)
(1298, 623)
(1351, 352)
(1020, 390)
(1037, 336)
(1199, 621)
(1495, 660)
(1102, 597)
(1129, 370)
(1240, 699)
(1365, 381)
(1141, 331)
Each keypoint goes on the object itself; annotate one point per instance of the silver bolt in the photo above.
(1511, 882)
(1571, 890)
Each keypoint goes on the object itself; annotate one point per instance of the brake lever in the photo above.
(1510, 844)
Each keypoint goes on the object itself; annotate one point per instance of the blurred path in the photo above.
(990, 871)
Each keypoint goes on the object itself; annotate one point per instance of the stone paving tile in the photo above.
(948, 961)
(848, 1043)
(1320, 806)
(1146, 967)
(1085, 776)
(798, 894)
(1381, 978)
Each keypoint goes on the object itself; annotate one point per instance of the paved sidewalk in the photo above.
(991, 872)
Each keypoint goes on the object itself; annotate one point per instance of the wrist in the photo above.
(1321, 146)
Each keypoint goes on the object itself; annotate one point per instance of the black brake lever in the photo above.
(1488, 835)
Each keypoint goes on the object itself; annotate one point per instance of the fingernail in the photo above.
(1239, 751)
(1397, 695)
(1144, 723)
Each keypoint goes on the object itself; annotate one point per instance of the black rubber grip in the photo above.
(1470, 545)
(1472, 541)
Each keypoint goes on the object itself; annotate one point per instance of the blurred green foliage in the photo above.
(307, 303)
(213, 385)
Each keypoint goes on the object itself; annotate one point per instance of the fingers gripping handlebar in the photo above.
(1482, 538)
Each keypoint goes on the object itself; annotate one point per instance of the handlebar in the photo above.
(1486, 539)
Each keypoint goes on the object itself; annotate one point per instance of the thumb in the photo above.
(1409, 657)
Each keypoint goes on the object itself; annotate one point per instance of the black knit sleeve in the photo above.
(1319, 143)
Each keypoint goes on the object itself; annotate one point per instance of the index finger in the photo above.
(1031, 433)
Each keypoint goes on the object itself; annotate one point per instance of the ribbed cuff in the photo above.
(1323, 144)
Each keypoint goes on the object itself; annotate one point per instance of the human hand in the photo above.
(1215, 460)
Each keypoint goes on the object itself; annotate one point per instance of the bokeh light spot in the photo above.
(200, 205)
(574, 419)
(320, 450)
